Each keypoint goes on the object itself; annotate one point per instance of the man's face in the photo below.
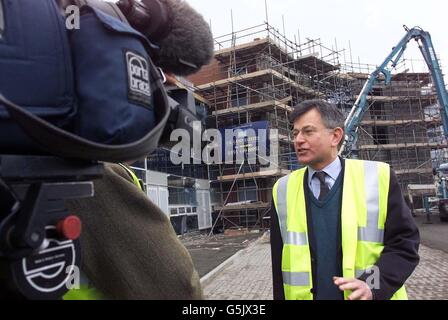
(315, 145)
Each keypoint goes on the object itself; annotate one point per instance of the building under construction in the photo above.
(258, 75)
(403, 127)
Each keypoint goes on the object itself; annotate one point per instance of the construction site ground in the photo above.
(238, 266)
(208, 252)
(433, 233)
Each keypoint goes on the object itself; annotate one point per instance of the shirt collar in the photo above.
(333, 170)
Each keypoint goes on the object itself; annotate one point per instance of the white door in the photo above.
(153, 195)
(204, 210)
(163, 200)
(159, 196)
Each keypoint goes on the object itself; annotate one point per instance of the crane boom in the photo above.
(426, 47)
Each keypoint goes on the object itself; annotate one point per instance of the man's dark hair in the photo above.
(331, 116)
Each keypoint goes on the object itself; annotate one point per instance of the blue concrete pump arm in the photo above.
(423, 39)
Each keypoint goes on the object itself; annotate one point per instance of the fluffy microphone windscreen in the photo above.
(189, 45)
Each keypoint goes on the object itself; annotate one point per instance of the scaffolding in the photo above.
(257, 75)
(402, 126)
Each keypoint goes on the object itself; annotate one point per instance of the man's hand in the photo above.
(360, 289)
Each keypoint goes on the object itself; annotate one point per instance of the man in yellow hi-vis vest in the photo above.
(340, 228)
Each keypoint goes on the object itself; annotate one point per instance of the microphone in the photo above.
(184, 37)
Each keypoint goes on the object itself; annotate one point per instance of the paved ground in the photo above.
(435, 234)
(430, 279)
(247, 275)
(209, 252)
(239, 267)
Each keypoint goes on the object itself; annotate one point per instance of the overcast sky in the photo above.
(373, 27)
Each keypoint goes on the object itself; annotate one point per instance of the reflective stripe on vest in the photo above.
(289, 237)
(371, 232)
(133, 176)
(363, 215)
(296, 278)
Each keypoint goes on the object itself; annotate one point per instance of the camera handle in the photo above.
(39, 238)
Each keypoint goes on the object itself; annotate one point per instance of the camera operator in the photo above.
(129, 247)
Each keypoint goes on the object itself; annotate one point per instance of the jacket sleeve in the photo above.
(129, 248)
(401, 241)
(276, 256)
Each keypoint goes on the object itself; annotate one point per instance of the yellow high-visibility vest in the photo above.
(363, 215)
(133, 176)
(83, 293)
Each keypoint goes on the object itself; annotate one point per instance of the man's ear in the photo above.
(338, 135)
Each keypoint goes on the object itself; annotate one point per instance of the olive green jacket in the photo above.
(129, 248)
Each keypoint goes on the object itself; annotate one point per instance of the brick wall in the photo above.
(209, 73)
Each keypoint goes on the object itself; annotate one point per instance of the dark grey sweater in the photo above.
(324, 220)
